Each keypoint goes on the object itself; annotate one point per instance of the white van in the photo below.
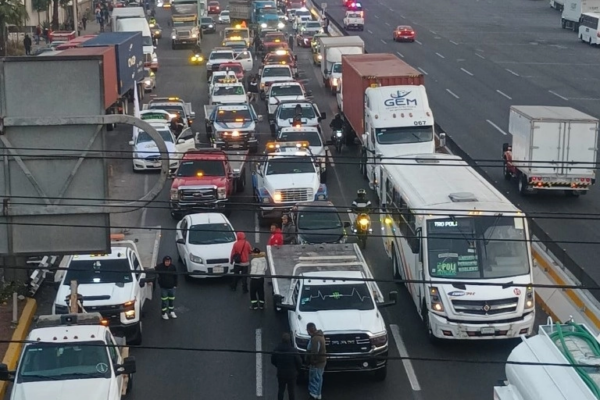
(141, 25)
(589, 28)
(126, 12)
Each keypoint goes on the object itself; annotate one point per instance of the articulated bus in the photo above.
(444, 224)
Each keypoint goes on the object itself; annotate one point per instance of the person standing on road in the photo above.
(258, 269)
(240, 258)
(38, 34)
(288, 363)
(317, 359)
(27, 44)
(276, 238)
(288, 229)
(253, 90)
(84, 22)
(167, 280)
(291, 41)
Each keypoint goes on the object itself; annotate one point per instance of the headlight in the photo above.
(380, 340)
(338, 134)
(174, 194)
(363, 221)
(436, 301)
(211, 26)
(319, 57)
(129, 309)
(194, 35)
(320, 197)
(173, 37)
(155, 59)
(196, 259)
(148, 82)
(280, 25)
(277, 197)
(334, 81)
(529, 298)
(221, 193)
(263, 25)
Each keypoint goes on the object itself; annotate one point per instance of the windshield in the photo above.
(183, 24)
(63, 361)
(268, 11)
(270, 37)
(276, 72)
(170, 109)
(228, 91)
(233, 68)
(293, 90)
(477, 247)
(211, 234)
(201, 168)
(308, 112)
(233, 116)
(290, 165)
(99, 271)
(409, 134)
(319, 219)
(207, 20)
(313, 138)
(235, 32)
(225, 13)
(147, 41)
(237, 45)
(312, 25)
(144, 137)
(336, 297)
(337, 68)
(221, 56)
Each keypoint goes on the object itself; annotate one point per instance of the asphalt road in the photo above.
(213, 317)
(479, 59)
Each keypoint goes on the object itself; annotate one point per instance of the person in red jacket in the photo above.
(276, 236)
(240, 258)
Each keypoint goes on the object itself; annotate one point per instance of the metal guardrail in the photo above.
(42, 270)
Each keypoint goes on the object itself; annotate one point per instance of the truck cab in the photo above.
(66, 356)
(232, 126)
(286, 111)
(228, 93)
(316, 144)
(173, 105)
(354, 20)
(238, 33)
(265, 15)
(281, 92)
(270, 74)
(185, 30)
(287, 174)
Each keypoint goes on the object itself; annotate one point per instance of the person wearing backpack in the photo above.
(240, 258)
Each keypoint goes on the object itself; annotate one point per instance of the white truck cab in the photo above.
(71, 356)
(228, 93)
(114, 285)
(283, 91)
(354, 20)
(270, 74)
(286, 111)
(316, 144)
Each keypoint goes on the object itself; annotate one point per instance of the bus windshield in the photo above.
(484, 247)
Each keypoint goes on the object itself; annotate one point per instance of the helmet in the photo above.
(361, 193)
(167, 258)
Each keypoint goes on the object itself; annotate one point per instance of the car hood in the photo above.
(319, 236)
(218, 181)
(105, 293)
(345, 320)
(285, 181)
(211, 251)
(148, 149)
(246, 125)
(71, 389)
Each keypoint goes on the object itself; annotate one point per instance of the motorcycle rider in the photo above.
(361, 205)
(297, 115)
(336, 125)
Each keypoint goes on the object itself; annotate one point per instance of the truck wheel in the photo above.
(572, 193)
(395, 264)
(425, 315)
(381, 374)
(241, 183)
(136, 340)
(176, 216)
(129, 384)
(523, 186)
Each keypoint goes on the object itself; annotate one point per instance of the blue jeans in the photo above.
(315, 381)
(167, 297)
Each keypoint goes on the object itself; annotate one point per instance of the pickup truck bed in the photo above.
(147, 242)
(283, 260)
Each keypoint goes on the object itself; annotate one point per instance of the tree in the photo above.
(55, 4)
(40, 5)
(12, 12)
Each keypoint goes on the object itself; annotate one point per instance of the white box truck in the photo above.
(558, 344)
(572, 10)
(553, 148)
(332, 49)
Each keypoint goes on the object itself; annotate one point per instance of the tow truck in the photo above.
(228, 93)
(218, 56)
(348, 311)
(270, 74)
(238, 33)
(282, 57)
(281, 92)
(206, 180)
(354, 20)
(173, 105)
(287, 174)
(286, 111)
(312, 135)
(185, 30)
(232, 126)
(221, 77)
(67, 356)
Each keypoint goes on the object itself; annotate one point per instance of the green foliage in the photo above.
(12, 12)
(40, 5)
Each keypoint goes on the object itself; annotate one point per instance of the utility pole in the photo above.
(76, 16)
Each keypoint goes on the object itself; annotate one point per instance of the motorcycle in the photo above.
(362, 228)
(196, 59)
(338, 136)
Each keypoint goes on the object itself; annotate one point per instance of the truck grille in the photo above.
(111, 313)
(198, 195)
(348, 343)
(184, 34)
(295, 195)
(486, 307)
(153, 158)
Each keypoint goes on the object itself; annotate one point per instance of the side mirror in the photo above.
(443, 140)
(392, 300)
(128, 366)
(154, 47)
(323, 115)
(180, 141)
(347, 224)
(308, 93)
(279, 303)
(365, 136)
(260, 118)
(192, 114)
(5, 374)
(131, 142)
(180, 241)
(142, 282)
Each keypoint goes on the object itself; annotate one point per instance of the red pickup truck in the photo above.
(206, 180)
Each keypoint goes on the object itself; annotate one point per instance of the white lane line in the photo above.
(387, 23)
(370, 31)
(439, 55)
(256, 228)
(496, 126)
(383, 41)
(408, 367)
(466, 72)
(432, 32)
(504, 94)
(454, 43)
(417, 42)
(558, 95)
(259, 363)
(512, 72)
(452, 93)
(145, 210)
(377, 16)
(351, 216)
(422, 70)
(391, 9)
(402, 16)
(479, 55)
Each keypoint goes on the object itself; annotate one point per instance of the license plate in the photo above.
(218, 270)
(156, 164)
(488, 331)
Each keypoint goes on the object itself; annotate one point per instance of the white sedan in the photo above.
(224, 17)
(146, 155)
(204, 243)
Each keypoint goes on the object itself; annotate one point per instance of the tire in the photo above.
(572, 193)
(136, 340)
(425, 315)
(395, 264)
(176, 216)
(241, 183)
(523, 185)
(380, 374)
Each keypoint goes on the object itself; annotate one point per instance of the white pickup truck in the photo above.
(354, 20)
(70, 357)
(327, 289)
(114, 284)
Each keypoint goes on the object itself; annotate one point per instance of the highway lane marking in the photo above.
(145, 210)
(259, 364)
(402, 16)
(417, 42)
(383, 41)
(496, 126)
(432, 32)
(512, 72)
(400, 54)
(453, 42)
(370, 31)
(439, 55)
(377, 16)
(256, 228)
(387, 23)
(452, 93)
(558, 95)
(466, 72)
(422, 70)
(408, 367)
(480, 56)
(503, 94)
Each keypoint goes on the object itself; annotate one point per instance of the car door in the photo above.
(146, 291)
(181, 238)
(245, 58)
(186, 141)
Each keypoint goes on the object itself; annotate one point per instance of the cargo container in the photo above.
(129, 57)
(107, 57)
(383, 102)
(77, 42)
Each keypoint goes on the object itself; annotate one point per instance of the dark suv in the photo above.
(318, 222)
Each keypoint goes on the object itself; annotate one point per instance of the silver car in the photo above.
(149, 80)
